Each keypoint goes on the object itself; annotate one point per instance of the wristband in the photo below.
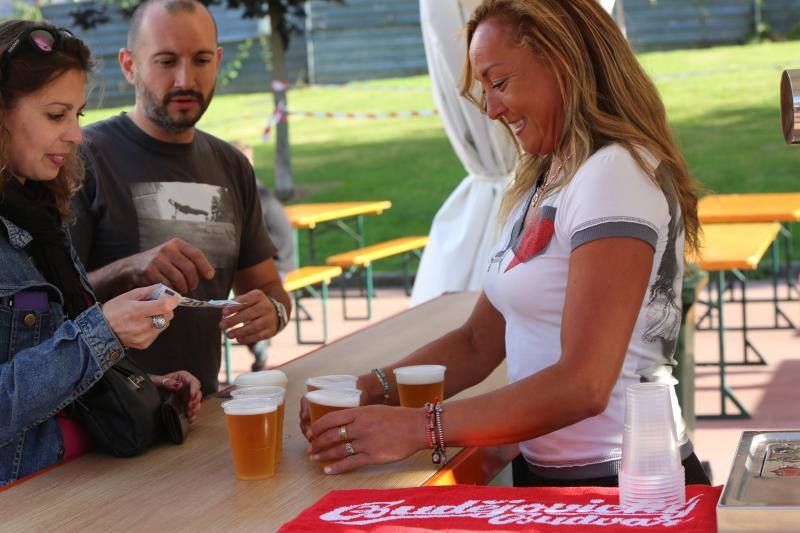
(280, 313)
(381, 375)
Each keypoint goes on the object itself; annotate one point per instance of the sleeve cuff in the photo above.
(99, 337)
(637, 229)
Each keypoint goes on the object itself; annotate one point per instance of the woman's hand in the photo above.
(175, 381)
(379, 434)
(305, 414)
(130, 316)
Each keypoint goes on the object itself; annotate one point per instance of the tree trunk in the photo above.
(284, 185)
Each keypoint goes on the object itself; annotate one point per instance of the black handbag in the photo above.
(122, 412)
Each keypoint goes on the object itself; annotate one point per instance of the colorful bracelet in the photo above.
(381, 375)
(435, 431)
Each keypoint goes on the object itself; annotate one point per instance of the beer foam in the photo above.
(419, 374)
(264, 377)
(336, 381)
(269, 392)
(249, 406)
(335, 397)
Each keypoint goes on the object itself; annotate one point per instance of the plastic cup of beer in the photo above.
(249, 422)
(419, 384)
(275, 395)
(335, 381)
(324, 401)
(274, 378)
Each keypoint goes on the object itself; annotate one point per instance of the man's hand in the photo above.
(256, 315)
(176, 263)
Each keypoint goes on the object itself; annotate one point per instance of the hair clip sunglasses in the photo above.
(45, 40)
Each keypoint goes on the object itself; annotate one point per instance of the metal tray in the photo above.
(763, 488)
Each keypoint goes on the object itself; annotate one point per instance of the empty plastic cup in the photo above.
(264, 377)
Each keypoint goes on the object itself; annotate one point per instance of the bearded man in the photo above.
(144, 163)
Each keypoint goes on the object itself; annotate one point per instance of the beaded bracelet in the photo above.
(381, 375)
(435, 431)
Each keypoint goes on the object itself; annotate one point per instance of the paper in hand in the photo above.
(159, 290)
(189, 302)
(162, 289)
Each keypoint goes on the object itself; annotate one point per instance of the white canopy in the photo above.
(464, 229)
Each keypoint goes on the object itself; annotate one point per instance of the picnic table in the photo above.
(309, 216)
(783, 207)
(193, 487)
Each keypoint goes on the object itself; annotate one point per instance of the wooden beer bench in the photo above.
(362, 258)
(303, 280)
(732, 248)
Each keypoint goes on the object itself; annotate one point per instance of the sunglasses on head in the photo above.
(45, 40)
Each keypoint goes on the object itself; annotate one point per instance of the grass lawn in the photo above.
(722, 104)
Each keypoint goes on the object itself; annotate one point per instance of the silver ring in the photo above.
(343, 433)
(159, 322)
(348, 449)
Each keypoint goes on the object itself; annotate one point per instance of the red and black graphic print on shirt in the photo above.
(530, 243)
(536, 237)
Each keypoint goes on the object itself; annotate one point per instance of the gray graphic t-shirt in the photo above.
(141, 192)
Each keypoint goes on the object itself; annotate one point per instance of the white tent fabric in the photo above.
(463, 229)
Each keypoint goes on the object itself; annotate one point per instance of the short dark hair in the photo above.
(27, 71)
(173, 6)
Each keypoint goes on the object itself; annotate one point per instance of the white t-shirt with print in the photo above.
(610, 195)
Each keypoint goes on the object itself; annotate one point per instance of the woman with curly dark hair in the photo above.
(56, 341)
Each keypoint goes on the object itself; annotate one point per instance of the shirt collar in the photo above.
(18, 237)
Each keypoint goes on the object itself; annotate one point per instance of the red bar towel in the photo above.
(466, 508)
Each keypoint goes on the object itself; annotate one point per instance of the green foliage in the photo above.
(722, 103)
(27, 11)
(231, 69)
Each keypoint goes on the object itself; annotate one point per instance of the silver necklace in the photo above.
(547, 179)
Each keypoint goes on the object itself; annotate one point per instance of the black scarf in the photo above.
(32, 208)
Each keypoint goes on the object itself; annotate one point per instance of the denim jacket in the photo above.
(45, 361)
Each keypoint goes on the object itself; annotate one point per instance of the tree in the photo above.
(286, 19)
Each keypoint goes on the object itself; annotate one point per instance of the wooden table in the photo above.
(766, 207)
(781, 207)
(732, 248)
(192, 487)
(308, 216)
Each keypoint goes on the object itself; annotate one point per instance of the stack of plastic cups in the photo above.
(651, 474)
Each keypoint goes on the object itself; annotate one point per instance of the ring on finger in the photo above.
(159, 321)
(348, 449)
(343, 433)
(164, 382)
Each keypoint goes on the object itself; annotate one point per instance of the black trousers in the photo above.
(695, 475)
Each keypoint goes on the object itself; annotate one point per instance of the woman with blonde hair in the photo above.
(582, 293)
